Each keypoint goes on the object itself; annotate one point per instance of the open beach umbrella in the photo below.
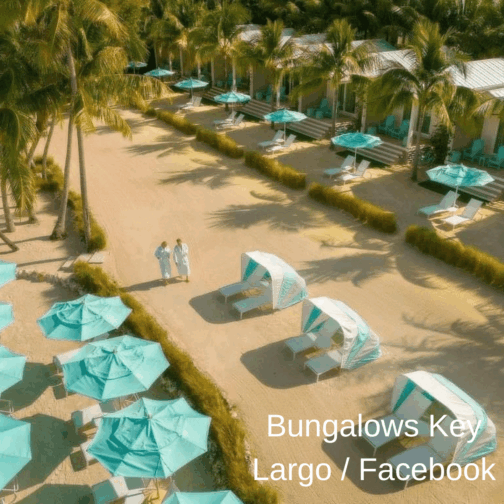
(232, 98)
(6, 315)
(356, 141)
(15, 451)
(115, 367)
(459, 176)
(84, 318)
(222, 497)
(150, 439)
(11, 368)
(191, 84)
(136, 64)
(160, 72)
(7, 272)
(285, 116)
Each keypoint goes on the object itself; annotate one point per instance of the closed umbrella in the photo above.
(84, 318)
(11, 368)
(160, 72)
(232, 98)
(114, 368)
(15, 451)
(6, 315)
(191, 84)
(222, 497)
(285, 116)
(7, 272)
(356, 141)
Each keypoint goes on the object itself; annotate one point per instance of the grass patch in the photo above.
(272, 168)
(220, 142)
(53, 183)
(199, 388)
(177, 121)
(372, 215)
(480, 264)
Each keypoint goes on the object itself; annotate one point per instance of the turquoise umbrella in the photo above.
(191, 84)
(11, 368)
(114, 368)
(6, 315)
(223, 497)
(285, 116)
(84, 318)
(232, 98)
(7, 272)
(136, 64)
(459, 176)
(150, 439)
(356, 141)
(15, 451)
(160, 72)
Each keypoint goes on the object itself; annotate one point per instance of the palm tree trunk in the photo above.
(212, 71)
(33, 148)
(156, 55)
(251, 78)
(233, 63)
(170, 62)
(46, 148)
(414, 173)
(83, 185)
(181, 62)
(335, 109)
(199, 70)
(9, 222)
(225, 74)
(10, 244)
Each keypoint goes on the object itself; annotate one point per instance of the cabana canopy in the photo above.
(287, 286)
(360, 344)
(462, 406)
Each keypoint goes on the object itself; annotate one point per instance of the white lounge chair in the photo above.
(236, 288)
(346, 166)
(88, 458)
(251, 303)
(228, 119)
(324, 363)
(195, 102)
(286, 145)
(301, 343)
(237, 122)
(88, 417)
(447, 204)
(118, 487)
(279, 137)
(467, 215)
(393, 426)
(359, 172)
(59, 360)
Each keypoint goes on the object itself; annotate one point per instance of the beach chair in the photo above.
(88, 458)
(279, 137)
(497, 160)
(454, 157)
(59, 360)
(401, 132)
(438, 451)
(301, 343)
(237, 122)
(475, 151)
(346, 166)
(88, 417)
(324, 110)
(359, 172)
(233, 289)
(285, 145)
(393, 426)
(252, 303)
(388, 125)
(6, 407)
(228, 119)
(195, 102)
(467, 215)
(324, 363)
(372, 130)
(447, 204)
(118, 487)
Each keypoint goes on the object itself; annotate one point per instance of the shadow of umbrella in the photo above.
(51, 443)
(60, 494)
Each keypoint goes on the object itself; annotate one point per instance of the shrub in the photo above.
(220, 142)
(480, 264)
(177, 121)
(228, 432)
(440, 141)
(372, 215)
(272, 168)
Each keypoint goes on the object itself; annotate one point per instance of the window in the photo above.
(426, 124)
(407, 112)
(500, 136)
(349, 100)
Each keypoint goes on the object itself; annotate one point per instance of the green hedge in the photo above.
(177, 121)
(199, 388)
(54, 183)
(272, 168)
(220, 142)
(480, 264)
(372, 215)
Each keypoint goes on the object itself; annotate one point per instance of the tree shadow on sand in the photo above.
(60, 494)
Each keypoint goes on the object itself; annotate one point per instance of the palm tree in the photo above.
(428, 83)
(336, 61)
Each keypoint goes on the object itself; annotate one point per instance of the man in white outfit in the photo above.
(162, 254)
(181, 257)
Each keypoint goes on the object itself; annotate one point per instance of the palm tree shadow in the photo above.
(213, 177)
(60, 494)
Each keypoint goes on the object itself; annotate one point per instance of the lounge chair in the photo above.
(301, 343)
(438, 450)
(195, 102)
(87, 417)
(475, 151)
(372, 130)
(118, 487)
(233, 289)
(402, 131)
(285, 145)
(359, 172)
(467, 215)
(88, 458)
(59, 360)
(497, 160)
(346, 166)
(237, 122)
(324, 363)
(388, 125)
(393, 426)
(454, 157)
(447, 204)
(279, 137)
(251, 303)
(323, 110)
(228, 119)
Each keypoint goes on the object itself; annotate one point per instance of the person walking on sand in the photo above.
(162, 254)
(181, 257)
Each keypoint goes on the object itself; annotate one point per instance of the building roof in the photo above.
(483, 75)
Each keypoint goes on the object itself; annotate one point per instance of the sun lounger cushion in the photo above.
(445, 205)
(324, 363)
(232, 289)
(301, 343)
(248, 304)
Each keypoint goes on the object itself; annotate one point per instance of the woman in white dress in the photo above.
(162, 254)
(181, 257)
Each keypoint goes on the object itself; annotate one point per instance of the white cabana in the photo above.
(287, 287)
(463, 407)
